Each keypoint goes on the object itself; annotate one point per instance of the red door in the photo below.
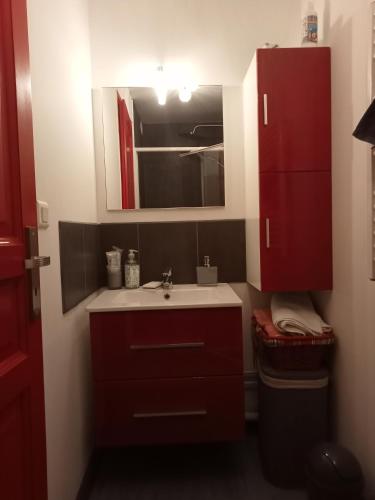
(22, 430)
(295, 231)
(126, 154)
(294, 87)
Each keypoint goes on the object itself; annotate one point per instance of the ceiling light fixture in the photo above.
(161, 87)
(184, 94)
(165, 81)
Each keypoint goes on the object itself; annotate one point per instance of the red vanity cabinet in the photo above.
(287, 121)
(167, 376)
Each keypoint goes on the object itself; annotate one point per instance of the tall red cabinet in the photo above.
(287, 124)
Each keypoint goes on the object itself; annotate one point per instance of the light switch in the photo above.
(43, 216)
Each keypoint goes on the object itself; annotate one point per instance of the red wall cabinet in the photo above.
(167, 376)
(287, 118)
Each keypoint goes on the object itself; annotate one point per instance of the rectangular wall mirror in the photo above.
(163, 156)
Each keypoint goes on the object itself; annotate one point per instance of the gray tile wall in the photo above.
(180, 245)
(79, 259)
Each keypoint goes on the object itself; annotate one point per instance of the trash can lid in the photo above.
(268, 370)
(330, 464)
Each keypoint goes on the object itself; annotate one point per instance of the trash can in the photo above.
(293, 418)
(333, 473)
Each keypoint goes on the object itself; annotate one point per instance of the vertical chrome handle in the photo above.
(265, 109)
(268, 238)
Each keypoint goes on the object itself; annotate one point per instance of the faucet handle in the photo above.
(168, 273)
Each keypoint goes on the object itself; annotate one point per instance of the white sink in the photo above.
(179, 297)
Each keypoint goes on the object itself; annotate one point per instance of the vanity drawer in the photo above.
(174, 343)
(169, 411)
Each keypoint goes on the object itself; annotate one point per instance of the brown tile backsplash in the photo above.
(91, 241)
(168, 244)
(224, 241)
(180, 245)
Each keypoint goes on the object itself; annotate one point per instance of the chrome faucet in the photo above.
(166, 282)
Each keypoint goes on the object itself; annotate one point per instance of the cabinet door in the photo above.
(295, 231)
(294, 90)
(174, 343)
(175, 410)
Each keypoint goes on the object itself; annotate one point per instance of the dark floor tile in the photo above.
(225, 243)
(72, 261)
(169, 244)
(91, 238)
(229, 471)
(124, 236)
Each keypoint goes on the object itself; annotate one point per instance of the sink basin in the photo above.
(179, 297)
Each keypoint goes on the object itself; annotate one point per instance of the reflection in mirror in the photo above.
(163, 156)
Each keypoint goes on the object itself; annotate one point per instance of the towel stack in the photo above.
(291, 335)
(294, 314)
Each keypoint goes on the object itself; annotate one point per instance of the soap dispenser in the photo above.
(132, 270)
(207, 274)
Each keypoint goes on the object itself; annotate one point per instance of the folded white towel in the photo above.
(294, 313)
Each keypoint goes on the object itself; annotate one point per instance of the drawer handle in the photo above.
(153, 347)
(197, 413)
(265, 110)
(268, 237)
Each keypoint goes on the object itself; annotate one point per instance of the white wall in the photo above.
(65, 176)
(215, 38)
(345, 25)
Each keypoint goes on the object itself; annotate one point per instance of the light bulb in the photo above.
(184, 94)
(161, 88)
(161, 94)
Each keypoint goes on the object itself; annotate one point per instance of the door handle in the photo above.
(268, 237)
(33, 263)
(36, 262)
(265, 109)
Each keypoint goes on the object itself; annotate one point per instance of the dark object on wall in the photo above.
(79, 259)
(293, 418)
(333, 473)
(365, 130)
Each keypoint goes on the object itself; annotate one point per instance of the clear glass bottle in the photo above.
(132, 270)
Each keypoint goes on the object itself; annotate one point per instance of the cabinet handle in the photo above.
(197, 413)
(154, 347)
(265, 109)
(268, 238)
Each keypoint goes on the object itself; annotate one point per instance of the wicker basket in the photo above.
(288, 352)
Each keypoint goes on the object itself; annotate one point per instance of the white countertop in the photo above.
(180, 297)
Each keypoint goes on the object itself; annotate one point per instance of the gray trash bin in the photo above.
(293, 418)
(333, 473)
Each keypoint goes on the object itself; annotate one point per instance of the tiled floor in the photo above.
(196, 472)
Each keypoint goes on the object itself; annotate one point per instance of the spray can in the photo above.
(310, 28)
